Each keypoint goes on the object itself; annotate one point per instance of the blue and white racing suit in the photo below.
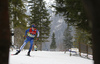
(30, 38)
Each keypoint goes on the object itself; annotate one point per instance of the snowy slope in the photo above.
(47, 57)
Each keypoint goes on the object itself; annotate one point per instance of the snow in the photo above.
(46, 57)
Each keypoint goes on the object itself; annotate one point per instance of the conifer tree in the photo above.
(82, 37)
(40, 17)
(17, 13)
(53, 43)
(74, 14)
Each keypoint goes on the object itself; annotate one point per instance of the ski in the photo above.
(28, 55)
(12, 54)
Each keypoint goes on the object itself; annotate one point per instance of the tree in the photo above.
(74, 14)
(67, 38)
(18, 18)
(93, 12)
(40, 17)
(17, 13)
(4, 32)
(53, 43)
(82, 37)
(76, 17)
(18, 36)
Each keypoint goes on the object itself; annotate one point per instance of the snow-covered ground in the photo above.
(46, 57)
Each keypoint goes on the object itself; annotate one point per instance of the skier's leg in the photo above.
(25, 42)
(31, 44)
(21, 47)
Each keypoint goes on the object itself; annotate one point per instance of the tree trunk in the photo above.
(93, 10)
(79, 49)
(4, 32)
(87, 50)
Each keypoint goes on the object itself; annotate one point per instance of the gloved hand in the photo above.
(36, 38)
(24, 36)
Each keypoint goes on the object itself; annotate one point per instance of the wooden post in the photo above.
(4, 32)
(79, 49)
(87, 50)
(70, 52)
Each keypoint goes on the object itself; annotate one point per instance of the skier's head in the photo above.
(33, 26)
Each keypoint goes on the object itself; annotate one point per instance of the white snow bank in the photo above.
(46, 57)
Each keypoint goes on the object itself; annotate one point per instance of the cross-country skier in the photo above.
(29, 35)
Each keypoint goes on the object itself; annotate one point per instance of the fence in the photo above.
(85, 50)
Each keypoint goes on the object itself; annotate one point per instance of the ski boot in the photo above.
(17, 52)
(28, 54)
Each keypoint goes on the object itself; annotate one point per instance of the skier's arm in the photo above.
(37, 33)
(26, 31)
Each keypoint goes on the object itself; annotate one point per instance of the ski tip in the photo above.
(12, 54)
